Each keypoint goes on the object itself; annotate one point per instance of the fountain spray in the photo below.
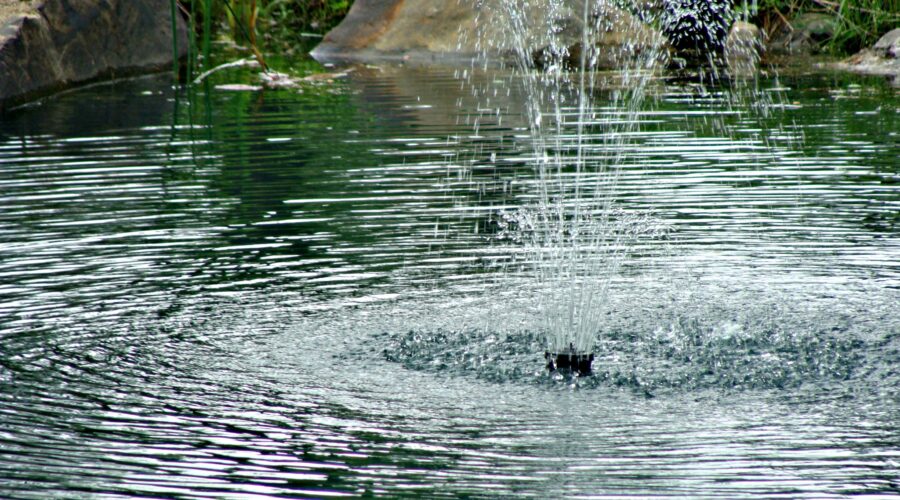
(573, 233)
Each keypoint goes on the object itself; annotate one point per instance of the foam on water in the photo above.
(659, 339)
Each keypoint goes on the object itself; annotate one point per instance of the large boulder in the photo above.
(447, 30)
(46, 45)
(697, 27)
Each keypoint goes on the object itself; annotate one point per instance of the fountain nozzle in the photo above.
(569, 362)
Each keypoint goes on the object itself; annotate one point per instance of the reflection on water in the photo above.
(301, 294)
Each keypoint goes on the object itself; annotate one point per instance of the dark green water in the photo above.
(299, 294)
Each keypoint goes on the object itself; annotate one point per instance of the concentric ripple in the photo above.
(286, 294)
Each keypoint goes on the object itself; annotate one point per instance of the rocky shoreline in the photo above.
(379, 30)
(48, 45)
(883, 59)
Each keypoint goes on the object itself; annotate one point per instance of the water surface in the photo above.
(302, 294)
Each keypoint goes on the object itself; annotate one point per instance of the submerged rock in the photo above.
(450, 30)
(882, 59)
(47, 45)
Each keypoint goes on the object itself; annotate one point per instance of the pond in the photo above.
(304, 293)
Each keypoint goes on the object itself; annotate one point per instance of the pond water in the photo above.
(302, 294)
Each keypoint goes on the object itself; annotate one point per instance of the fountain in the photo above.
(569, 235)
(284, 294)
(572, 232)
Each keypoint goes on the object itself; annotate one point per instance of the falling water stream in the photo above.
(348, 290)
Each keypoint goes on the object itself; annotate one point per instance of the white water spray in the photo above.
(573, 235)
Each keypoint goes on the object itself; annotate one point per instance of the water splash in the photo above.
(573, 235)
(720, 336)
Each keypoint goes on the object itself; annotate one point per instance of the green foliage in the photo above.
(859, 23)
(283, 24)
(279, 21)
(317, 16)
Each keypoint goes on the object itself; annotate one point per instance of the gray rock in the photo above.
(816, 25)
(882, 59)
(805, 35)
(450, 30)
(697, 27)
(743, 48)
(889, 44)
(52, 44)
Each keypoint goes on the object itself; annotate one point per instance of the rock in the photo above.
(617, 36)
(889, 44)
(817, 26)
(743, 48)
(450, 30)
(806, 34)
(697, 28)
(51, 44)
(883, 59)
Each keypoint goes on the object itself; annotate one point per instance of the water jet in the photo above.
(570, 233)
